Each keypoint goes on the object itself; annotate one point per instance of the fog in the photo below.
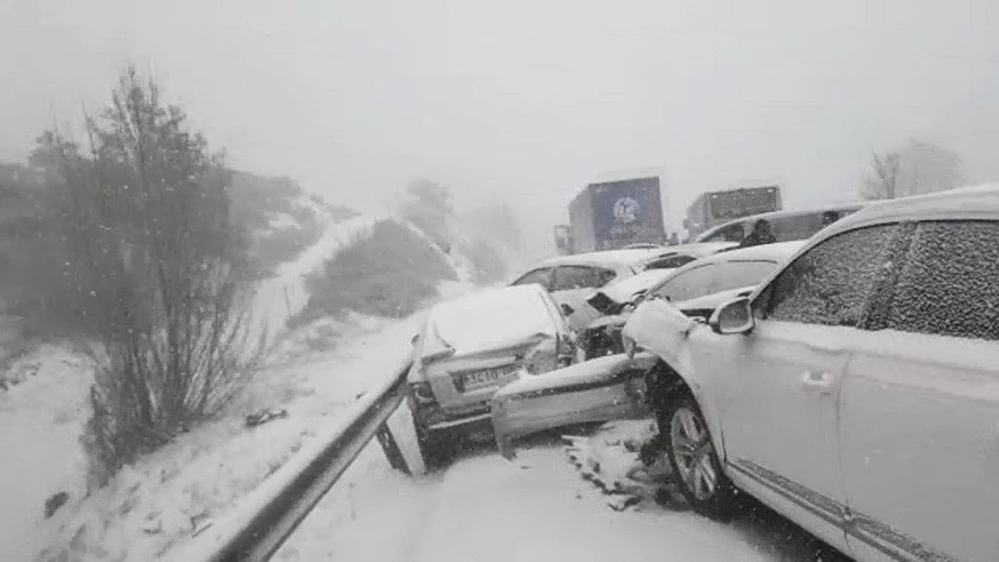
(523, 101)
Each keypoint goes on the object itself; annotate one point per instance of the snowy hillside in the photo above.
(172, 493)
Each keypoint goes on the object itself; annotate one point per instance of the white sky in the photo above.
(525, 100)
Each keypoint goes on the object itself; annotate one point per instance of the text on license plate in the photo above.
(489, 377)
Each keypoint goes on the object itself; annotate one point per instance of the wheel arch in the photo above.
(683, 379)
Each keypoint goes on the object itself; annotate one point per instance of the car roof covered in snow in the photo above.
(608, 258)
(964, 203)
(855, 206)
(699, 249)
(778, 251)
(488, 319)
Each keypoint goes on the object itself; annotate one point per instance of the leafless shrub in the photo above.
(161, 268)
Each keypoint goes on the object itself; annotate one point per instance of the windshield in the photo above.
(368, 280)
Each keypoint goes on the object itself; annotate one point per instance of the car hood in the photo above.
(594, 371)
(619, 293)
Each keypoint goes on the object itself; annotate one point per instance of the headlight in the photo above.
(422, 393)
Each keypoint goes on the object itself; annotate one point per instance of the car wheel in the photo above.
(693, 459)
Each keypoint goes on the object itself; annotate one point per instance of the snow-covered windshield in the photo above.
(423, 280)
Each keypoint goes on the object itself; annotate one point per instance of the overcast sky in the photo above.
(526, 100)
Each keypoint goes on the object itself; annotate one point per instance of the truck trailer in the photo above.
(614, 214)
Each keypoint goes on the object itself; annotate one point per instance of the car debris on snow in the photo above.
(616, 461)
(263, 416)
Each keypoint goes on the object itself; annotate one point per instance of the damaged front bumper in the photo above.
(603, 389)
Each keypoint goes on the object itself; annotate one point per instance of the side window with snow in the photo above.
(949, 283)
(537, 277)
(689, 284)
(832, 283)
(738, 274)
(569, 277)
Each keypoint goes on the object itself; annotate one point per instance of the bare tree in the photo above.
(916, 168)
(153, 246)
(883, 184)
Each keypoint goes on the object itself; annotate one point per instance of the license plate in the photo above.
(483, 379)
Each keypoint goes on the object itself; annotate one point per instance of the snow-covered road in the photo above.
(536, 508)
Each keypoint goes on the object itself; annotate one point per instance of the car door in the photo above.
(572, 285)
(779, 383)
(919, 427)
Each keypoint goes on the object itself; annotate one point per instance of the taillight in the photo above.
(422, 392)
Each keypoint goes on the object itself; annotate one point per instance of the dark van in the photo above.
(786, 226)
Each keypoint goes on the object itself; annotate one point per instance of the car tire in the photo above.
(693, 458)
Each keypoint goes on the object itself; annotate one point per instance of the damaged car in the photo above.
(571, 280)
(695, 289)
(470, 347)
(603, 389)
(855, 390)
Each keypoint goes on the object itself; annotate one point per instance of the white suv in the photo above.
(856, 391)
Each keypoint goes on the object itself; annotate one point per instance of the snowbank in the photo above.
(40, 424)
(280, 297)
(165, 498)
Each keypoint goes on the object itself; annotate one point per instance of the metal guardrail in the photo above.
(257, 526)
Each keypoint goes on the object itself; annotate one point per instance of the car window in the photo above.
(569, 277)
(540, 276)
(736, 274)
(733, 233)
(796, 227)
(832, 282)
(689, 284)
(670, 262)
(949, 283)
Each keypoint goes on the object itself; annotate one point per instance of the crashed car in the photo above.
(855, 390)
(573, 279)
(607, 388)
(695, 289)
(469, 347)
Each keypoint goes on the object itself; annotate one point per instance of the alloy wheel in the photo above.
(694, 453)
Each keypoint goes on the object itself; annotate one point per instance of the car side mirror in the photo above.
(414, 339)
(566, 309)
(733, 317)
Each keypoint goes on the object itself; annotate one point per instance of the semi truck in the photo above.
(712, 208)
(611, 215)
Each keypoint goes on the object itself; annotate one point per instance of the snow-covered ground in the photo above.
(168, 496)
(280, 297)
(483, 507)
(535, 508)
(40, 423)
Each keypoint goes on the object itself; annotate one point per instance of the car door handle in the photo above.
(817, 382)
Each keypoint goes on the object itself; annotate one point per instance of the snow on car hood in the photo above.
(486, 321)
(601, 369)
(621, 292)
